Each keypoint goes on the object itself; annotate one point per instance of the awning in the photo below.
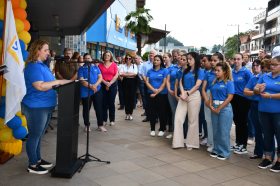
(64, 17)
(156, 35)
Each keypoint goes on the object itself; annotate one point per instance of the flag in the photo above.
(15, 84)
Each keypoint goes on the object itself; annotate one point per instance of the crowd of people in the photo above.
(195, 98)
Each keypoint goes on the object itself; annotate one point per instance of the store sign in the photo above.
(119, 26)
(259, 17)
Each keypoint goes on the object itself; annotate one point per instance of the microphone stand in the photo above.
(87, 157)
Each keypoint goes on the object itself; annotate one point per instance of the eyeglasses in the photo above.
(255, 65)
(274, 65)
(128, 58)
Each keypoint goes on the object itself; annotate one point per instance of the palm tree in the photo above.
(138, 23)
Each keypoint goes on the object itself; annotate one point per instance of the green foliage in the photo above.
(203, 50)
(216, 48)
(231, 46)
(145, 56)
(170, 39)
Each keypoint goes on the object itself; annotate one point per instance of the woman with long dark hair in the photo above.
(189, 103)
(158, 101)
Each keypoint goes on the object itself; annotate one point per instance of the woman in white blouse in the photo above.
(129, 71)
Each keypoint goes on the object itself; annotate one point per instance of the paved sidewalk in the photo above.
(138, 159)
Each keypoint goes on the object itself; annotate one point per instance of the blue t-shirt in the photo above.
(83, 73)
(251, 84)
(172, 72)
(220, 90)
(209, 77)
(241, 78)
(179, 73)
(273, 87)
(156, 79)
(34, 98)
(189, 79)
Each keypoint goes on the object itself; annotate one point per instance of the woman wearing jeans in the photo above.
(188, 104)
(38, 103)
(91, 93)
(269, 110)
(221, 93)
(109, 71)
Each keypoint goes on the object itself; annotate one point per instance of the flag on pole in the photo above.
(15, 84)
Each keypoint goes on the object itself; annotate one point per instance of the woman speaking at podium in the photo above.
(38, 103)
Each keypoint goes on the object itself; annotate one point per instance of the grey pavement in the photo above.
(138, 159)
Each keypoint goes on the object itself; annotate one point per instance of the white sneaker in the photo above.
(250, 141)
(169, 136)
(130, 118)
(161, 133)
(85, 129)
(189, 148)
(112, 123)
(127, 117)
(153, 133)
(210, 148)
(203, 141)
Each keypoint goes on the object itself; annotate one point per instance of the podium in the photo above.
(67, 162)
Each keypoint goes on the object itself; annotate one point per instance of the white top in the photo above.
(132, 69)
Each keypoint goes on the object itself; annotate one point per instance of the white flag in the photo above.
(15, 84)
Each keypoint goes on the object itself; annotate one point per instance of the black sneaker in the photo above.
(241, 150)
(275, 167)
(45, 164)
(221, 157)
(265, 164)
(234, 147)
(37, 170)
(213, 155)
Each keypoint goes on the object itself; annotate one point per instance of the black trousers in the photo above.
(109, 97)
(96, 100)
(240, 107)
(158, 108)
(129, 89)
(121, 93)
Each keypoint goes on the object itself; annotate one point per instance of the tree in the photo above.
(231, 45)
(203, 50)
(170, 39)
(216, 48)
(138, 23)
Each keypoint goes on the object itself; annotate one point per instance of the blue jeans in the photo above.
(254, 117)
(221, 130)
(37, 122)
(141, 85)
(271, 127)
(109, 97)
(251, 125)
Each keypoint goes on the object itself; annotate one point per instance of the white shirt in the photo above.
(131, 69)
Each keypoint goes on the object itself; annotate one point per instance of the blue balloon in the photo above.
(14, 123)
(20, 132)
(24, 54)
(1, 28)
(22, 45)
(3, 101)
(2, 111)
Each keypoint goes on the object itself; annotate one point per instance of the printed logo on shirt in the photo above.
(277, 83)
(160, 75)
(222, 86)
(240, 78)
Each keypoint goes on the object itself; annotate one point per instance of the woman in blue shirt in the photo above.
(221, 93)
(208, 79)
(240, 104)
(254, 113)
(269, 111)
(90, 92)
(155, 82)
(38, 103)
(189, 103)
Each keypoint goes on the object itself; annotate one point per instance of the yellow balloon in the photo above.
(2, 126)
(1, 12)
(24, 36)
(13, 147)
(23, 120)
(19, 25)
(22, 4)
(5, 134)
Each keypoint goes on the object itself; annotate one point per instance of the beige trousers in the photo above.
(192, 107)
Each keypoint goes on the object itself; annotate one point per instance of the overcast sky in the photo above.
(204, 22)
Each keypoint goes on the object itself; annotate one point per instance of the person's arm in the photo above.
(224, 104)
(115, 77)
(162, 86)
(95, 85)
(168, 85)
(248, 92)
(183, 94)
(45, 86)
(75, 76)
(176, 89)
(267, 95)
(204, 93)
(196, 87)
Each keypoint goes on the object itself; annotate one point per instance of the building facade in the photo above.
(109, 31)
